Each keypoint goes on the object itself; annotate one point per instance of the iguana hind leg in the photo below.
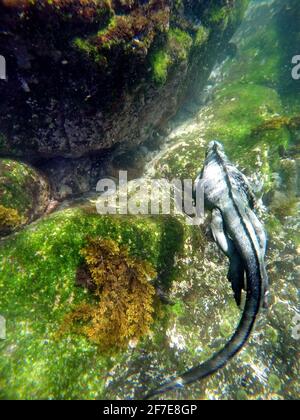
(236, 276)
(263, 242)
(236, 273)
(259, 230)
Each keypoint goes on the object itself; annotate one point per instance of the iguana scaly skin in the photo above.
(242, 238)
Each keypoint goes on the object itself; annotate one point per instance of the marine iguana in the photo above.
(242, 238)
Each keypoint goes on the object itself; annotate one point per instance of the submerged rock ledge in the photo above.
(85, 76)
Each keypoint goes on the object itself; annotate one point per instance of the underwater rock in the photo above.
(24, 195)
(99, 73)
(37, 288)
(72, 177)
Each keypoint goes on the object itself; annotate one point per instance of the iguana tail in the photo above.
(219, 360)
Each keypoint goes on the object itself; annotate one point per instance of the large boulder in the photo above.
(24, 195)
(38, 290)
(84, 76)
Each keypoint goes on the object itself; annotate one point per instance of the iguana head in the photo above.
(215, 147)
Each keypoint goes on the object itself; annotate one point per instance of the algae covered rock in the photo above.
(258, 125)
(102, 73)
(24, 195)
(38, 289)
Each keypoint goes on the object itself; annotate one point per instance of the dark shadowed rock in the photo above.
(86, 76)
(24, 195)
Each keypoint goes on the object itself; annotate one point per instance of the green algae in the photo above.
(261, 61)
(227, 15)
(23, 190)
(242, 395)
(37, 287)
(238, 110)
(14, 178)
(176, 49)
(272, 335)
(201, 36)
(126, 33)
(90, 50)
(93, 51)
(219, 16)
(160, 62)
(275, 383)
(180, 43)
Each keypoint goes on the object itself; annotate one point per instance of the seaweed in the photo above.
(176, 49)
(9, 219)
(123, 292)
